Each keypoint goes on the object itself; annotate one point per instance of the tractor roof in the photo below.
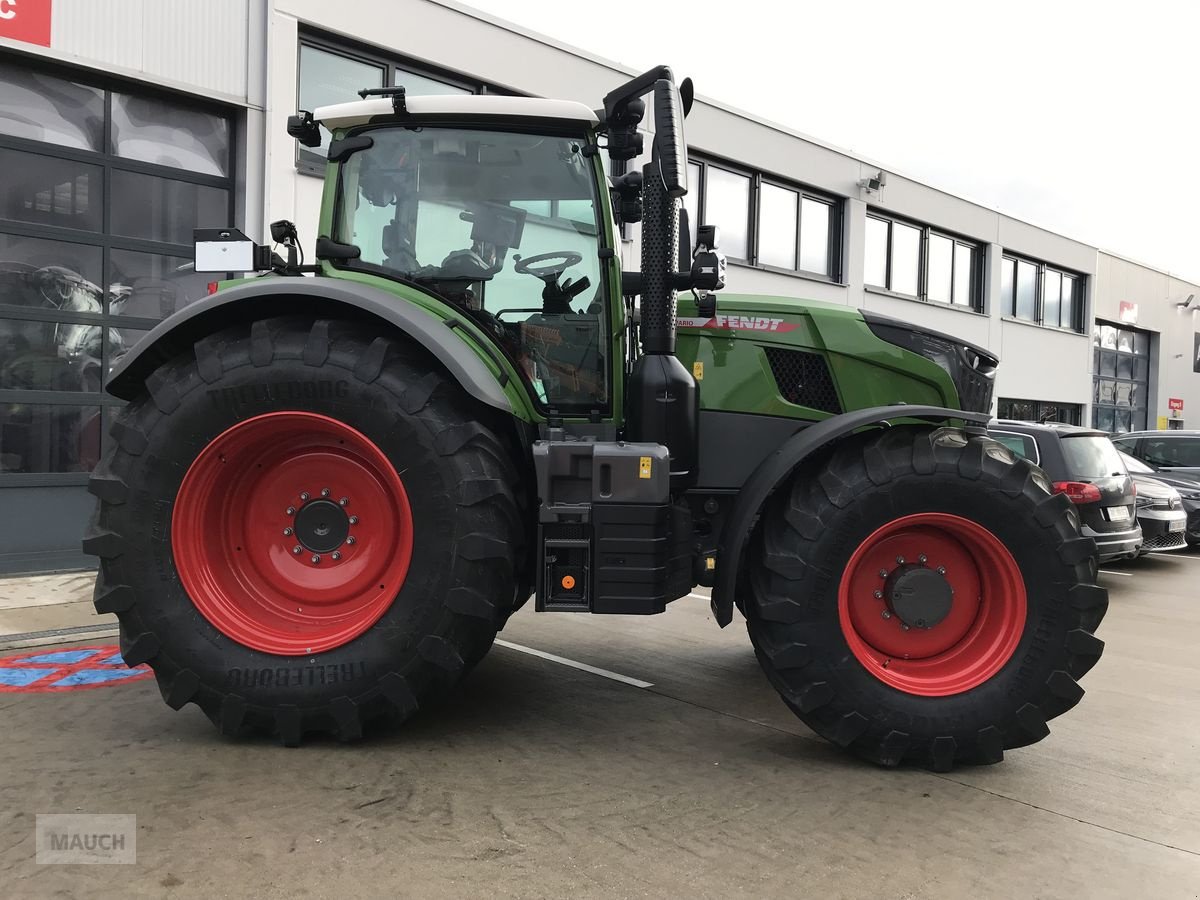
(360, 112)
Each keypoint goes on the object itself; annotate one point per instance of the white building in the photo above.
(126, 123)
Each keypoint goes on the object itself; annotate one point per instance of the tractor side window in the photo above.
(503, 225)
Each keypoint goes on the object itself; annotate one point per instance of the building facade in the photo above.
(124, 124)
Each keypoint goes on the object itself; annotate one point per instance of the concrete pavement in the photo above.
(538, 779)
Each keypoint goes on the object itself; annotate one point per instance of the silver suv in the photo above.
(1164, 450)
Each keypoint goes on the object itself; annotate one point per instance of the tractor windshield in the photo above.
(503, 225)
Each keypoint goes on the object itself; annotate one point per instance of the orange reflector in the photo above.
(568, 582)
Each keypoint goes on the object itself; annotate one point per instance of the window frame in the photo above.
(1078, 299)
(309, 163)
(975, 302)
(1040, 407)
(836, 205)
(103, 239)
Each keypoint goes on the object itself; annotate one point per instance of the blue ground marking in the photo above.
(21, 677)
(62, 657)
(117, 660)
(95, 676)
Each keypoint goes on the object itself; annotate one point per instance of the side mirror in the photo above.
(670, 148)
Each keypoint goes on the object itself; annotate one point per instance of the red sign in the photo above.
(1128, 312)
(26, 20)
(1175, 404)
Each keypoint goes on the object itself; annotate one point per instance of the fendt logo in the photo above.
(737, 323)
(26, 20)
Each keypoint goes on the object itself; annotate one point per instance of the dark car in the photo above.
(1160, 509)
(1167, 451)
(1186, 483)
(1084, 465)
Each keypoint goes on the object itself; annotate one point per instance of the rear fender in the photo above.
(324, 297)
(777, 469)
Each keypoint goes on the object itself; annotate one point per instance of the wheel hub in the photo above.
(321, 526)
(920, 597)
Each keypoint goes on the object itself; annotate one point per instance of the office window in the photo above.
(765, 221)
(333, 72)
(1038, 411)
(919, 262)
(1036, 292)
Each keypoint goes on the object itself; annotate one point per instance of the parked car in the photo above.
(1168, 451)
(1083, 464)
(1160, 509)
(1187, 484)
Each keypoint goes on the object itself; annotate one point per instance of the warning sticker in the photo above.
(737, 323)
(80, 668)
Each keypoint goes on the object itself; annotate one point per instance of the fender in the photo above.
(318, 296)
(779, 466)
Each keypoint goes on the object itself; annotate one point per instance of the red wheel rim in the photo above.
(965, 579)
(292, 533)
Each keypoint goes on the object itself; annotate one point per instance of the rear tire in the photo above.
(1014, 619)
(248, 669)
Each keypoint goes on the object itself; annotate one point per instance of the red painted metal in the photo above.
(972, 643)
(236, 555)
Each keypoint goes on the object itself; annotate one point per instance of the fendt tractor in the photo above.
(335, 480)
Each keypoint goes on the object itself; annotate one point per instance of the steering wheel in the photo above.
(565, 259)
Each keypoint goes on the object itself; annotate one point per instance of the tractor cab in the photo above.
(495, 206)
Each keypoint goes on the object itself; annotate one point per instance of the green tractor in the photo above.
(335, 481)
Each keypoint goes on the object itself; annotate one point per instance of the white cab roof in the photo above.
(359, 112)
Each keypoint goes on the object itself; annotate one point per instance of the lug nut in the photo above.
(343, 501)
(297, 549)
(899, 560)
(291, 511)
(923, 559)
(904, 625)
(887, 614)
(325, 492)
(883, 573)
(941, 570)
(336, 555)
(354, 520)
(304, 495)
(315, 559)
(287, 532)
(879, 595)
(352, 540)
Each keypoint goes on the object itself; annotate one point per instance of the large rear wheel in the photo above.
(302, 527)
(924, 598)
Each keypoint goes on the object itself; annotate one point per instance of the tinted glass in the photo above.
(875, 268)
(414, 83)
(162, 132)
(964, 261)
(814, 236)
(153, 286)
(1132, 463)
(939, 283)
(1091, 456)
(1007, 283)
(120, 341)
(727, 205)
(1124, 340)
(1102, 418)
(160, 209)
(40, 438)
(906, 259)
(1124, 366)
(49, 356)
(1181, 451)
(777, 212)
(328, 78)
(43, 190)
(1026, 302)
(1051, 297)
(39, 274)
(1020, 444)
(1108, 337)
(1066, 318)
(44, 108)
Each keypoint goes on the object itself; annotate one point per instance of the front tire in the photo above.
(302, 527)
(924, 598)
